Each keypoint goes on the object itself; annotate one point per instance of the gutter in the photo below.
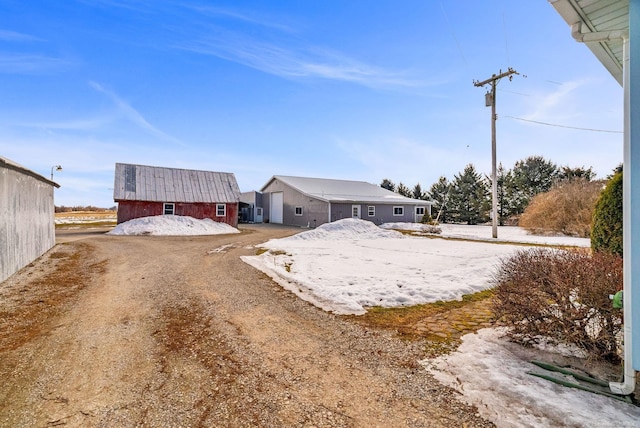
(628, 385)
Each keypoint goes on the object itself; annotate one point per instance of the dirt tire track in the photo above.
(163, 331)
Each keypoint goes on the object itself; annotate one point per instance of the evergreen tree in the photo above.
(504, 179)
(438, 194)
(505, 186)
(404, 190)
(469, 199)
(531, 176)
(606, 233)
(417, 192)
(566, 173)
(388, 184)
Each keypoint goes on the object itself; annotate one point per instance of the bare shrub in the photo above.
(567, 209)
(563, 296)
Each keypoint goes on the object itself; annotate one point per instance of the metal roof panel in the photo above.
(160, 184)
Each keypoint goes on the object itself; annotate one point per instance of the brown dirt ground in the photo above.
(163, 331)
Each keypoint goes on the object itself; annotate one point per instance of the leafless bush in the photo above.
(563, 296)
(567, 208)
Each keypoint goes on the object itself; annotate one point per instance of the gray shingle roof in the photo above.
(345, 190)
(159, 184)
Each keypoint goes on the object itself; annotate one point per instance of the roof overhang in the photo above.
(598, 16)
(9, 164)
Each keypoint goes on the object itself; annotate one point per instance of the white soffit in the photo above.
(599, 16)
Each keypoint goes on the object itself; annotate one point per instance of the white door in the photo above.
(276, 206)
(419, 214)
(355, 211)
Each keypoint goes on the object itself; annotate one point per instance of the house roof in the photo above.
(599, 16)
(344, 190)
(159, 184)
(9, 164)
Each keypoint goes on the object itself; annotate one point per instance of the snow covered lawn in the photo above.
(351, 264)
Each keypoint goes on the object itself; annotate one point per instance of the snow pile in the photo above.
(491, 374)
(172, 225)
(352, 264)
(349, 228)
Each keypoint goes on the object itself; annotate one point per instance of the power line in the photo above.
(564, 126)
(453, 34)
(504, 30)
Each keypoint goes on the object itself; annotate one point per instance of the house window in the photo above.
(371, 210)
(221, 210)
(298, 210)
(419, 210)
(398, 211)
(169, 209)
(258, 211)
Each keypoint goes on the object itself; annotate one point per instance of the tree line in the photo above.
(467, 197)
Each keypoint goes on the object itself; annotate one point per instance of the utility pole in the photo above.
(490, 100)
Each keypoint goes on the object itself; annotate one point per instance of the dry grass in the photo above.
(86, 218)
(24, 315)
(403, 319)
(566, 209)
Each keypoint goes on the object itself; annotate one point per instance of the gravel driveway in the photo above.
(177, 331)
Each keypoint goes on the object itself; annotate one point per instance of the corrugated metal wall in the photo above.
(27, 228)
(314, 211)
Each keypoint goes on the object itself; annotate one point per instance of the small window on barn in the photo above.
(398, 211)
(258, 211)
(169, 209)
(371, 210)
(298, 210)
(221, 210)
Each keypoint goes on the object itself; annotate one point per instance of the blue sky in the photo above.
(357, 89)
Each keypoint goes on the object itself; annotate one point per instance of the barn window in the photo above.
(221, 210)
(398, 211)
(258, 211)
(169, 209)
(371, 210)
(298, 210)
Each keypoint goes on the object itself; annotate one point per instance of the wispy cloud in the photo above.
(134, 115)
(70, 125)
(298, 63)
(551, 105)
(247, 17)
(30, 64)
(13, 36)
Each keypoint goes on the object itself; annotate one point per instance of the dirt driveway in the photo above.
(177, 331)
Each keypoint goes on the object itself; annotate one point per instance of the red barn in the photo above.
(143, 191)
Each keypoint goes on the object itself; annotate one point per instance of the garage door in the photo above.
(276, 207)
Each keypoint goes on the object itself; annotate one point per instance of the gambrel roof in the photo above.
(344, 190)
(159, 184)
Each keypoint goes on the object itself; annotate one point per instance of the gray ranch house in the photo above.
(310, 202)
